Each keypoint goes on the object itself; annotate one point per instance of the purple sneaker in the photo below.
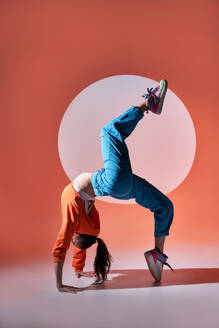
(155, 261)
(156, 97)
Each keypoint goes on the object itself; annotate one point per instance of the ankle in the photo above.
(143, 106)
(159, 249)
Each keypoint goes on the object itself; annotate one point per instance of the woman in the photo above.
(117, 180)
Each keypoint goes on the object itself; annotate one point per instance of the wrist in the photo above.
(59, 284)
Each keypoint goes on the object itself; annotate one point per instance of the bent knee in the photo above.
(170, 205)
(165, 208)
(169, 208)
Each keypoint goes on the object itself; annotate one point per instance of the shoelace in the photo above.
(168, 266)
(162, 257)
(150, 93)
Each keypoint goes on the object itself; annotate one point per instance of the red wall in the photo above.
(50, 51)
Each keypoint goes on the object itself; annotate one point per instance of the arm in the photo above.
(58, 273)
(78, 263)
(59, 251)
(58, 266)
(79, 257)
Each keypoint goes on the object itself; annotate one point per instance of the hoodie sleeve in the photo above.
(79, 256)
(65, 235)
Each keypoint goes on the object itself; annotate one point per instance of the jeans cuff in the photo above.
(138, 111)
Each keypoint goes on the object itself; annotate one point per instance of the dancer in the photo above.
(116, 179)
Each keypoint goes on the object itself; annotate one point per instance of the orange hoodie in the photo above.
(74, 219)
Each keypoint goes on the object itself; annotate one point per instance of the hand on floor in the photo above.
(69, 289)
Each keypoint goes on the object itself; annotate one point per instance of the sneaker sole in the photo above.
(160, 105)
(151, 265)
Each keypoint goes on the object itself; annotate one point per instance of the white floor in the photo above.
(187, 297)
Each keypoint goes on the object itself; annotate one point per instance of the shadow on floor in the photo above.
(119, 279)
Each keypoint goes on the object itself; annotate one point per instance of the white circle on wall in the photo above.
(161, 148)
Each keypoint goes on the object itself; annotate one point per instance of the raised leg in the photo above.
(123, 125)
(116, 178)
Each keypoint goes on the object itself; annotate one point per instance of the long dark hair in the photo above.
(102, 262)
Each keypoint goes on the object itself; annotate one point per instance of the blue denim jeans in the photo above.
(117, 180)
